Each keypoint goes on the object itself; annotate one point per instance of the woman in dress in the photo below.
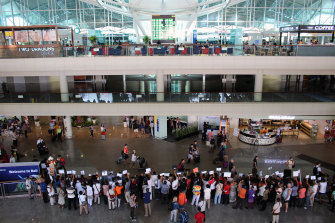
(232, 193)
(61, 197)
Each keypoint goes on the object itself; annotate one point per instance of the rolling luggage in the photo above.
(197, 158)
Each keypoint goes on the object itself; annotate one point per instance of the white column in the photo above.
(203, 83)
(68, 127)
(258, 87)
(142, 87)
(64, 88)
(187, 86)
(160, 127)
(124, 83)
(160, 87)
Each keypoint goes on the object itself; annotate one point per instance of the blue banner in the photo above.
(16, 172)
(195, 36)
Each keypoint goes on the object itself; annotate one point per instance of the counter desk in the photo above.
(254, 139)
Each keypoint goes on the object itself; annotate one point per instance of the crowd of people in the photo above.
(177, 189)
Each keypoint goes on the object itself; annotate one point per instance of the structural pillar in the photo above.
(67, 127)
(187, 86)
(64, 88)
(160, 87)
(142, 87)
(203, 83)
(124, 83)
(160, 127)
(258, 87)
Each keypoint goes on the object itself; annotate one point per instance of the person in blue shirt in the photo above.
(183, 216)
(147, 203)
(174, 212)
(44, 191)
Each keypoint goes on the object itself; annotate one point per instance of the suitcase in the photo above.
(197, 158)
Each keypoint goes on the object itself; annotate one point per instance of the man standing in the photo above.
(276, 211)
(207, 196)
(71, 197)
(241, 196)
(91, 130)
(132, 204)
(199, 217)
(196, 194)
(147, 203)
(28, 187)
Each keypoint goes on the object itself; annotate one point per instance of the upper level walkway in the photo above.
(41, 51)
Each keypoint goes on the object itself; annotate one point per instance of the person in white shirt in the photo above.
(207, 196)
(12, 159)
(154, 181)
(218, 193)
(89, 192)
(111, 198)
(96, 190)
(51, 193)
(174, 187)
(202, 206)
(322, 191)
(28, 187)
(276, 211)
(82, 202)
(315, 190)
(71, 197)
(152, 128)
(133, 159)
(79, 187)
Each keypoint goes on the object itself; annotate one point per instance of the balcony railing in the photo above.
(134, 97)
(42, 51)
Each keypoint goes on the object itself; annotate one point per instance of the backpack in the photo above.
(170, 206)
(183, 217)
(315, 171)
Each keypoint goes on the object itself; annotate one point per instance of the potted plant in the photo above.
(146, 39)
(93, 39)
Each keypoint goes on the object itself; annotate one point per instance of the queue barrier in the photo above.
(5, 194)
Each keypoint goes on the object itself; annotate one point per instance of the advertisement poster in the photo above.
(49, 35)
(17, 172)
(35, 35)
(21, 36)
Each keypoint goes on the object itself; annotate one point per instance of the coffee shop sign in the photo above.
(40, 49)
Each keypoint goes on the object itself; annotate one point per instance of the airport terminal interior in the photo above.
(161, 111)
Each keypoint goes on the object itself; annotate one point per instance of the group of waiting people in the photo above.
(175, 189)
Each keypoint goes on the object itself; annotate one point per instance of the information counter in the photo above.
(258, 140)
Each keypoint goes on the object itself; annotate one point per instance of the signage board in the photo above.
(163, 28)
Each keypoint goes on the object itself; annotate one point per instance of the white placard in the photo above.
(20, 96)
(104, 173)
(281, 174)
(307, 176)
(227, 174)
(166, 174)
(181, 48)
(211, 172)
(82, 172)
(124, 172)
(69, 172)
(96, 49)
(277, 172)
(61, 171)
(74, 172)
(137, 49)
(218, 169)
(295, 173)
(261, 173)
(178, 173)
(313, 177)
(240, 174)
(148, 170)
(266, 176)
(203, 172)
(119, 174)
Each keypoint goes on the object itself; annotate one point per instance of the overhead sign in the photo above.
(289, 29)
(18, 171)
(307, 28)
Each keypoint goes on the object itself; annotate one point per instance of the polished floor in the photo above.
(83, 152)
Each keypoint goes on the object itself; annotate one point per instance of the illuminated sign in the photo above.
(281, 117)
(307, 28)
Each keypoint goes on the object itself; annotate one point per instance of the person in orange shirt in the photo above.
(182, 199)
(117, 190)
(241, 196)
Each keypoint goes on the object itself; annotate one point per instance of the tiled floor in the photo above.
(93, 154)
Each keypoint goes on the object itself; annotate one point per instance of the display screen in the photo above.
(35, 35)
(163, 28)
